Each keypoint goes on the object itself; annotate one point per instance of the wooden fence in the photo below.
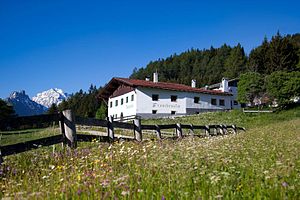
(69, 137)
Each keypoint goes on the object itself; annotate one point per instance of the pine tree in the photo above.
(6, 111)
(101, 112)
(282, 55)
(235, 63)
(53, 109)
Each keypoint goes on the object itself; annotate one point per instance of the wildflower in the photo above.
(79, 191)
(124, 193)
(239, 187)
(140, 190)
(285, 184)
(163, 198)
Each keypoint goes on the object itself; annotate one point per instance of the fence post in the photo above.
(192, 130)
(179, 130)
(62, 129)
(110, 128)
(70, 128)
(158, 133)
(221, 129)
(234, 129)
(137, 130)
(207, 130)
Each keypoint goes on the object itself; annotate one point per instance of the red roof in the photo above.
(115, 82)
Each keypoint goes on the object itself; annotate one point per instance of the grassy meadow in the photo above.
(261, 163)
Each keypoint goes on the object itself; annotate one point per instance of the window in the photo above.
(116, 103)
(196, 99)
(154, 111)
(132, 97)
(173, 98)
(235, 102)
(122, 101)
(213, 101)
(126, 99)
(155, 97)
(111, 104)
(173, 112)
(222, 102)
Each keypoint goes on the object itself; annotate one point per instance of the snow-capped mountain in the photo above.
(23, 105)
(49, 97)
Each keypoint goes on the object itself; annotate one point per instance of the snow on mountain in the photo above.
(23, 105)
(49, 97)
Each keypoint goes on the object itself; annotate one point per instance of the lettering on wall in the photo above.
(156, 105)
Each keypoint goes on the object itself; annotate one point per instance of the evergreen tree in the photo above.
(282, 55)
(235, 63)
(6, 111)
(101, 112)
(258, 59)
(82, 103)
(53, 109)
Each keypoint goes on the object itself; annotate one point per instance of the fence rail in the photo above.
(69, 137)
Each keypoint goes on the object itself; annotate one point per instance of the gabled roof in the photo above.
(116, 82)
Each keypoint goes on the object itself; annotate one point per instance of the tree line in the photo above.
(84, 104)
(208, 66)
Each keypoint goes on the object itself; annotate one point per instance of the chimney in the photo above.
(147, 78)
(224, 85)
(155, 77)
(193, 83)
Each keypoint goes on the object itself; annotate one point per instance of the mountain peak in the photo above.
(23, 105)
(51, 96)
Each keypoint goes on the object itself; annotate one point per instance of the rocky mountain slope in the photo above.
(23, 105)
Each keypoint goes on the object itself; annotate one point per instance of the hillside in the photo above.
(262, 162)
(208, 66)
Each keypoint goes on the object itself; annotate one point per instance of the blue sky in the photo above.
(71, 44)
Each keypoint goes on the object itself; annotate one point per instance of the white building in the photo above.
(153, 99)
(232, 88)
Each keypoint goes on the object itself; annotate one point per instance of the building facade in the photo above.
(153, 99)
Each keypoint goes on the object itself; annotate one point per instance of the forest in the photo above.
(208, 66)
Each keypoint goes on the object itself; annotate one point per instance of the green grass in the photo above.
(247, 120)
(262, 163)
(13, 137)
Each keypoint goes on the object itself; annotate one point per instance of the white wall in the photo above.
(184, 104)
(127, 108)
(145, 105)
(205, 101)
